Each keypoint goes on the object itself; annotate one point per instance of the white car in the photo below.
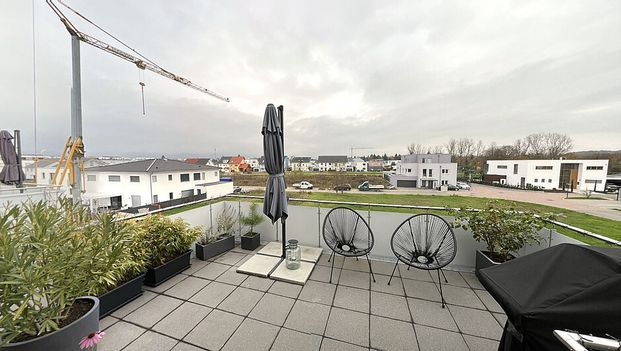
(463, 186)
(303, 185)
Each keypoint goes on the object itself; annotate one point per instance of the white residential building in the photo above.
(549, 174)
(150, 181)
(301, 164)
(424, 171)
(356, 165)
(331, 163)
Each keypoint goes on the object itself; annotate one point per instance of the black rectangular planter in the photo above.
(250, 242)
(120, 296)
(158, 275)
(205, 252)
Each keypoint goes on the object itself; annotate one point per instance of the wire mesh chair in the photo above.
(346, 233)
(424, 241)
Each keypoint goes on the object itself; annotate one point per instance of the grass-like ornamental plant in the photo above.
(504, 229)
(164, 239)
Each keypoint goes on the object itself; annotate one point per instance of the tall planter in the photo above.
(224, 243)
(120, 296)
(157, 275)
(66, 338)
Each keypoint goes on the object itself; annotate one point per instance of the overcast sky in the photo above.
(379, 74)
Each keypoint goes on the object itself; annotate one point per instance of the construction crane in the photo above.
(351, 150)
(139, 60)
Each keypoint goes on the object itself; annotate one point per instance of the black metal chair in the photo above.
(424, 241)
(346, 233)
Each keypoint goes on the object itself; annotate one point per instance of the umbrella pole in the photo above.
(283, 221)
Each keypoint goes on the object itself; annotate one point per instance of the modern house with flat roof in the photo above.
(424, 171)
(558, 174)
(150, 181)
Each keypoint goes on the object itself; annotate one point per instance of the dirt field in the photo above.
(320, 180)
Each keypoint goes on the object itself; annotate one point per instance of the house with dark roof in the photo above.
(331, 163)
(149, 181)
(303, 164)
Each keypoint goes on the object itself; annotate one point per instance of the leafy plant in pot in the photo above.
(213, 243)
(44, 271)
(503, 228)
(167, 244)
(251, 240)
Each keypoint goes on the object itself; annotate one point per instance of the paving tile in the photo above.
(352, 298)
(360, 265)
(348, 326)
(355, 279)
(322, 274)
(252, 335)
(243, 260)
(480, 344)
(288, 340)
(381, 285)
(187, 287)
(232, 277)
(462, 296)
(489, 302)
(182, 320)
(421, 290)
(154, 310)
(476, 322)
(130, 307)
(501, 318)
(414, 273)
(211, 270)
(431, 313)
(196, 265)
(335, 345)
(308, 317)
(107, 322)
(214, 330)
(286, 289)
(272, 309)
(432, 339)
(384, 268)
(230, 258)
(391, 306)
(151, 341)
(119, 335)
(212, 294)
(241, 301)
(257, 283)
(318, 292)
(338, 261)
(167, 284)
(472, 280)
(453, 277)
(389, 334)
(185, 347)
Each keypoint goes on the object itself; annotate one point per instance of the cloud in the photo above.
(350, 73)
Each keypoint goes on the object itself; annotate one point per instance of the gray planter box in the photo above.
(205, 252)
(66, 338)
(157, 275)
(250, 242)
(120, 296)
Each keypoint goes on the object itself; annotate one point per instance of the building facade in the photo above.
(550, 174)
(424, 171)
(331, 163)
(301, 164)
(356, 165)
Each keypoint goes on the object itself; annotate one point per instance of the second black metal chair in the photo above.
(346, 233)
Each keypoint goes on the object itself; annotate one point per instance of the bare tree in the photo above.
(416, 149)
(520, 148)
(438, 149)
(465, 147)
(451, 147)
(557, 144)
(479, 148)
(536, 145)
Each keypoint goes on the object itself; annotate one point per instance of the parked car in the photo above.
(342, 187)
(237, 189)
(303, 185)
(449, 187)
(463, 185)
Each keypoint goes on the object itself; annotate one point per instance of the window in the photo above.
(134, 179)
(444, 182)
(114, 178)
(203, 176)
(170, 196)
(424, 160)
(91, 178)
(593, 181)
(215, 174)
(515, 168)
(543, 167)
(154, 178)
(595, 168)
(170, 177)
(424, 172)
(185, 177)
(431, 172)
(536, 180)
(501, 166)
(197, 176)
(43, 175)
(409, 170)
(543, 180)
(198, 191)
(549, 180)
(155, 199)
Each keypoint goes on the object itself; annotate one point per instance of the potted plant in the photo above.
(167, 243)
(251, 240)
(503, 228)
(43, 271)
(213, 243)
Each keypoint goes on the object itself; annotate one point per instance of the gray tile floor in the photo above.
(211, 307)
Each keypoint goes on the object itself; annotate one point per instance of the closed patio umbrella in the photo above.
(12, 172)
(275, 201)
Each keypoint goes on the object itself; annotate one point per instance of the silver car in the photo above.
(463, 186)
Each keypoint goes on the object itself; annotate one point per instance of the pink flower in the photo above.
(91, 339)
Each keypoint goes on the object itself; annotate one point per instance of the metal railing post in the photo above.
(318, 225)
(239, 217)
(210, 219)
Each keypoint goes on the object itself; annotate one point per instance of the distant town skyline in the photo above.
(351, 73)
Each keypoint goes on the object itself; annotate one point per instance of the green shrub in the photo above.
(226, 219)
(253, 218)
(163, 238)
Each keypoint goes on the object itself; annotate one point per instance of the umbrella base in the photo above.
(297, 276)
(309, 254)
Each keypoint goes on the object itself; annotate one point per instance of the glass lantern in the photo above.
(294, 255)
